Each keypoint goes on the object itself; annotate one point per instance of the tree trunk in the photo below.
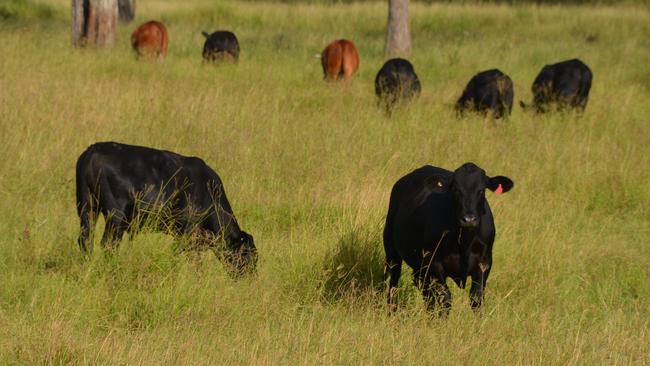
(126, 10)
(398, 38)
(94, 22)
(78, 22)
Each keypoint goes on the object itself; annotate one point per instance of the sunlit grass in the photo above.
(308, 168)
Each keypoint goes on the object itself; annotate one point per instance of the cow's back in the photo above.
(397, 74)
(566, 83)
(396, 81)
(221, 45)
(140, 169)
(150, 39)
(573, 79)
(488, 90)
(340, 60)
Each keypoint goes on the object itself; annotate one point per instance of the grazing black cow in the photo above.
(563, 84)
(219, 46)
(127, 183)
(396, 81)
(487, 91)
(440, 224)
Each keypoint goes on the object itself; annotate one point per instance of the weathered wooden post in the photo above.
(94, 22)
(398, 37)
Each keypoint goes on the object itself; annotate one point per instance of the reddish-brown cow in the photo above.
(340, 60)
(150, 39)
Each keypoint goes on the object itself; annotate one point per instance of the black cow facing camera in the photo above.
(488, 91)
(130, 184)
(396, 81)
(220, 46)
(561, 85)
(439, 222)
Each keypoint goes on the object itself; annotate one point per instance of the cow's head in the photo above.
(242, 255)
(467, 185)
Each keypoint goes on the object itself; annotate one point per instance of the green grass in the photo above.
(308, 168)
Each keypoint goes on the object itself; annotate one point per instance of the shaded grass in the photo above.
(26, 10)
(354, 267)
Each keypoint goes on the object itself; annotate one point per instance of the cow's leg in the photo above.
(87, 218)
(479, 279)
(116, 225)
(434, 288)
(494, 105)
(87, 208)
(134, 219)
(392, 266)
(347, 67)
(436, 291)
(392, 272)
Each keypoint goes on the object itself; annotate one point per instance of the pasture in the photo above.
(308, 168)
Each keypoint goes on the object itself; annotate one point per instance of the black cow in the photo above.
(219, 46)
(440, 224)
(127, 183)
(563, 84)
(487, 91)
(396, 81)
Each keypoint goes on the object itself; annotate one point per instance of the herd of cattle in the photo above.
(439, 221)
(560, 85)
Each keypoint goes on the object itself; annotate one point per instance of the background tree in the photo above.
(126, 10)
(398, 37)
(94, 22)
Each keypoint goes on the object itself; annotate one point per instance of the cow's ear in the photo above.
(500, 184)
(434, 184)
(438, 183)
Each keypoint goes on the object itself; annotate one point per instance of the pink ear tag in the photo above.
(499, 190)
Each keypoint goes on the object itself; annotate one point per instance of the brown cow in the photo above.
(150, 39)
(340, 60)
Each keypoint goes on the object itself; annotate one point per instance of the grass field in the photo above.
(308, 168)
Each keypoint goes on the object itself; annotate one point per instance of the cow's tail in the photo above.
(86, 205)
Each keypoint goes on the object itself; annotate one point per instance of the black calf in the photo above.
(396, 81)
(127, 183)
(440, 224)
(219, 46)
(561, 85)
(487, 91)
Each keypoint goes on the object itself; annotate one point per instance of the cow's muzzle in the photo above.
(469, 221)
